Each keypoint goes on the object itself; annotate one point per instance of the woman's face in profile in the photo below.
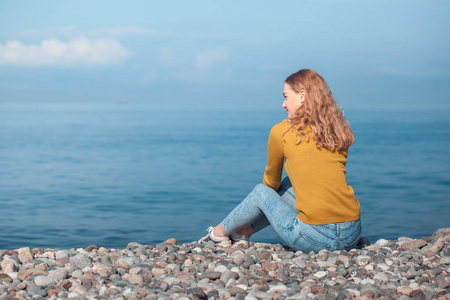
(292, 100)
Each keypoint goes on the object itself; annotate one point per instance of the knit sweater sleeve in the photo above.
(274, 168)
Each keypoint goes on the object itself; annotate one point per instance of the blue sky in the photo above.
(224, 54)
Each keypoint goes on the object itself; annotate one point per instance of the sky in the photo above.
(224, 54)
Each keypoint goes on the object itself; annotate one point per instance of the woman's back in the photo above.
(317, 176)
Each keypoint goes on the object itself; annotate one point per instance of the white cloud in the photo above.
(53, 52)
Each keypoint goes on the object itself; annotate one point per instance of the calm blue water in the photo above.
(108, 174)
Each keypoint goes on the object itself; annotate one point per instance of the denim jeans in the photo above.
(264, 206)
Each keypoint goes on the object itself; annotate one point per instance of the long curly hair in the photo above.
(320, 111)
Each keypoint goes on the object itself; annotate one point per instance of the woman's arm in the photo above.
(274, 168)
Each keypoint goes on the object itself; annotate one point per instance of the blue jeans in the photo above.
(264, 206)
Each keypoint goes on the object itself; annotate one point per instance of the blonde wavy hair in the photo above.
(320, 111)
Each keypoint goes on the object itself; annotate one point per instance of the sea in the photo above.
(106, 174)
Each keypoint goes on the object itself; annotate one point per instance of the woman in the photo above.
(313, 208)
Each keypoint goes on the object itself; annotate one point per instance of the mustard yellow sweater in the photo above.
(317, 176)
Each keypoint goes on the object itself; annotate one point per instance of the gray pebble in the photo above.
(240, 297)
(212, 293)
(164, 286)
(61, 254)
(77, 274)
(197, 292)
(112, 292)
(342, 271)
(124, 263)
(236, 290)
(210, 244)
(343, 294)
(134, 245)
(300, 263)
(122, 283)
(239, 260)
(42, 280)
(38, 292)
(211, 275)
(115, 277)
(445, 260)
(381, 276)
(58, 274)
(80, 261)
(63, 294)
(162, 247)
(369, 287)
(262, 295)
(227, 275)
(5, 278)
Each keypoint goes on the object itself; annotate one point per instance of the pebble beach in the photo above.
(387, 269)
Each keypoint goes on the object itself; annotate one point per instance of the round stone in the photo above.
(124, 263)
(135, 279)
(42, 280)
(381, 276)
(80, 261)
(61, 254)
(58, 274)
(320, 274)
(382, 242)
(9, 266)
(102, 270)
(77, 274)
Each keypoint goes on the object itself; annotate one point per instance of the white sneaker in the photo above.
(222, 241)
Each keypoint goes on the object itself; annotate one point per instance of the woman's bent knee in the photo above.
(261, 188)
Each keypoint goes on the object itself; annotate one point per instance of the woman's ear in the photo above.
(302, 95)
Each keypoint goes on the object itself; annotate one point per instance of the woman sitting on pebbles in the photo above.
(313, 208)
